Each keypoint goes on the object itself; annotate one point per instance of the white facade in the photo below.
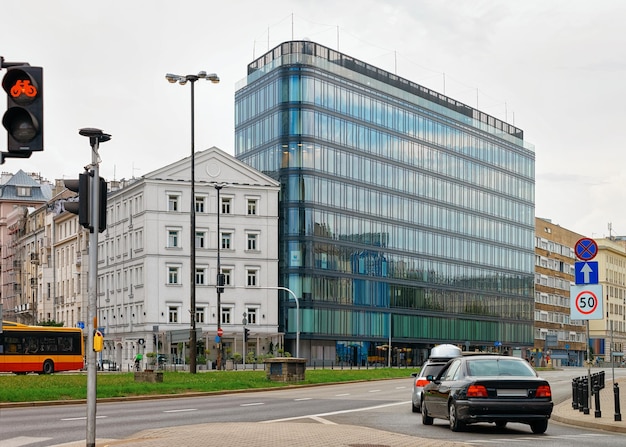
(144, 259)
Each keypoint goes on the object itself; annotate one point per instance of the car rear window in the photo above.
(433, 369)
(499, 367)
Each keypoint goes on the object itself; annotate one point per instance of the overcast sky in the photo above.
(555, 68)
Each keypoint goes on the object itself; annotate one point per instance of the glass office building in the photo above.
(406, 217)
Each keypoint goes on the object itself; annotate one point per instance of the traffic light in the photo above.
(23, 119)
(246, 334)
(221, 280)
(82, 208)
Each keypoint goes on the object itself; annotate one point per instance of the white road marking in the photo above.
(303, 398)
(323, 421)
(252, 404)
(82, 418)
(374, 391)
(22, 440)
(180, 411)
(313, 416)
(341, 395)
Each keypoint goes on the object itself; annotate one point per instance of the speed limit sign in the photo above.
(586, 302)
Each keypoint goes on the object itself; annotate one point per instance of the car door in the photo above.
(438, 394)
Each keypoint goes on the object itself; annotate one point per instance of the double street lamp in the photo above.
(182, 80)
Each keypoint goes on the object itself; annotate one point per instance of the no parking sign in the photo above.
(586, 302)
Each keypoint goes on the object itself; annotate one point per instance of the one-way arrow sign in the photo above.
(586, 272)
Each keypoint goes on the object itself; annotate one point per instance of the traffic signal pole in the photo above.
(95, 138)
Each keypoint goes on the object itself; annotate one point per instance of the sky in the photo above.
(556, 69)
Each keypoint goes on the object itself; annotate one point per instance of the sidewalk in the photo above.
(566, 414)
(303, 434)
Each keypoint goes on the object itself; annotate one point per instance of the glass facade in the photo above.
(405, 216)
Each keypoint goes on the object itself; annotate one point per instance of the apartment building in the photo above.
(558, 339)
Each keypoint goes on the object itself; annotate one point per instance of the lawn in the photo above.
(66, 386)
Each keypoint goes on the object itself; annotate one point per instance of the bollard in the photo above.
(585, 395)
(581, 385)
(575, 393)
(618, 415)
(596, 390)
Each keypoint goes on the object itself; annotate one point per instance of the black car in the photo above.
(488, 388)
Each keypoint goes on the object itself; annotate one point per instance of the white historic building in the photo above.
(144, 263)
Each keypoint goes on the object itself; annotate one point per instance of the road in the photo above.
(383, 405)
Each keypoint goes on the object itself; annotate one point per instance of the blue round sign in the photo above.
(586, 249)
(217, 339)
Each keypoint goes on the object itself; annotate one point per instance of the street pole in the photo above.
(95, 137)
(218, 188)
(297, 314)
(192, 240)
(182, 80)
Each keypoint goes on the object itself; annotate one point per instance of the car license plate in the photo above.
(512, 393)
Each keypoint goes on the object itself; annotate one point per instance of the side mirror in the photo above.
(413, 374)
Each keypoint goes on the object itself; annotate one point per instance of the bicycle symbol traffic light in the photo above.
(23, 119)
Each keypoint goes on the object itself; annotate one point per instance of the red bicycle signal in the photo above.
(23, 87)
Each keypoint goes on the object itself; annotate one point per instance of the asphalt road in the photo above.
(382, 405)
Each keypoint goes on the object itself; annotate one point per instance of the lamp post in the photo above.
(182, 80)
(297, 314)
(220, 280)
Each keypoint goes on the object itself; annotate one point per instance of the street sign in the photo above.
(182, 335)
(586, 249)
(586, 302)
(586, 272)
(220, 332)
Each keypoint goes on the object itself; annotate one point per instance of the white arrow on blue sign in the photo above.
(586, 272)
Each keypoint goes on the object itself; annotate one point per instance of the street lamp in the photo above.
(220, 279)
(286, 289)
(182, 80)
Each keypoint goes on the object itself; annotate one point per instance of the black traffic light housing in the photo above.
(246, 334)
(23, 119)
(82, 208)
(221, 280)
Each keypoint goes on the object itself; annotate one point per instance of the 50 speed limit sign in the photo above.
(586, 302)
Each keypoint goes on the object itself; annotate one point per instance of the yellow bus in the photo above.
(40, 349)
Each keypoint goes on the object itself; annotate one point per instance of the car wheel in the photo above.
(539, 427)
(415, 408)
(426, 420)
(501, 424)
(48, 367)
(455, 424)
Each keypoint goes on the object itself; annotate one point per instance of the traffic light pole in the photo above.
(95, 138)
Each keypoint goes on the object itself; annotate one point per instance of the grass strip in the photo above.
(67, 386)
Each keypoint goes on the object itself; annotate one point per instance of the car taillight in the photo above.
(543, 391)
(422, 382)
(476, 391)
